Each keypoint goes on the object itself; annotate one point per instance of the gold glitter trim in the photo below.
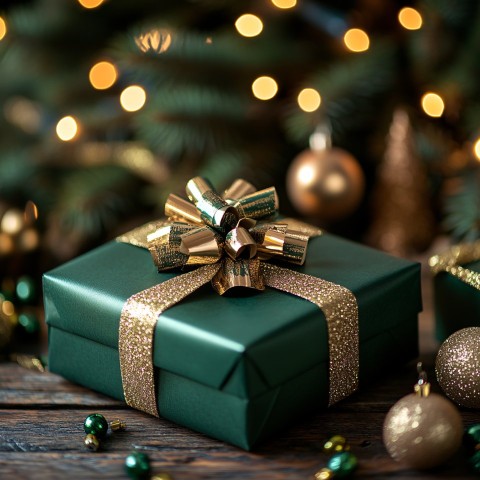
(138, 236)
(137, 327)
(302, 227)
(450, 262)
(341, 313)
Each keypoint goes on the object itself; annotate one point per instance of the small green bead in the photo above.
(342, 464)
(137, 465)
(474, 461)
(336, 444)
(472, 435)
(96, 425)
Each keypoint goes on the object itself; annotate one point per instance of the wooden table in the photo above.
(41, 433)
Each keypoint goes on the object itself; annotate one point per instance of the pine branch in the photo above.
(462, 209)
(349, 90)
(191, 121)
(91, 201)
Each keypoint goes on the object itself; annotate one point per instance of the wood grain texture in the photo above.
(41, 434)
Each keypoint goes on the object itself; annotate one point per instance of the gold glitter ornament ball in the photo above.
(422, 432)
(326, 184)
(458, 367)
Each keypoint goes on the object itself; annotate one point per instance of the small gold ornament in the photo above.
(162, 476)
(423, 429)
(458, 367)
(91, 442)
(336, 444)
(324, 474)
(325, 182)
(118, 425)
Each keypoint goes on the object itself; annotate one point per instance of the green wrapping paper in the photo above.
(237, 367)
(457, 304)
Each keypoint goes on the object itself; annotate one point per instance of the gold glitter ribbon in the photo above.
(222, 233)
(339, 306)
(451, 261)
(137, 328)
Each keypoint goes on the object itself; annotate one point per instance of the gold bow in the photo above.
(451, 261)
(230, 238)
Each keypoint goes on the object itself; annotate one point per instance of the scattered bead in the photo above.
(162, 476)
(336, 444)
(324, 474)
(137, 465)
(96, 424)
(474, 461)
(343, 464)
(91, 442)
(472, 435)
(118, 425)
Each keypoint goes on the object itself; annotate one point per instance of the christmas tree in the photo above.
(108, 106)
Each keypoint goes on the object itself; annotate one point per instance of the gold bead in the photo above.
(162, 476)
(118, 425)
(324, 474)
(336, 444)
(91, 442)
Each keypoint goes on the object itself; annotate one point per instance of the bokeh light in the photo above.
(356, 40)
(249, 25)
(90, 3)
(103, 75)
(410, 18)
(309, 100)
(156, 40)
(284, 4)
(3, 28)
(476, 148)
(67, 128)
(264, 88)
(133, 98)
(12, 221)
(433, 104)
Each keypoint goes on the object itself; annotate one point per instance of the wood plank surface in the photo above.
(41, 433)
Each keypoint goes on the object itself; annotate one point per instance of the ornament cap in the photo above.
(422, 387)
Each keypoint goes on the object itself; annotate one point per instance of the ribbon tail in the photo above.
(341, 312)
(137, 328)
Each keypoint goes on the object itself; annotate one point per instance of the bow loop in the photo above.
(209, 228)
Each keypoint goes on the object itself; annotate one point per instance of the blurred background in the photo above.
(364, 114)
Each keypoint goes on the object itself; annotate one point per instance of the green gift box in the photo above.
(457, 304)
(237, 367)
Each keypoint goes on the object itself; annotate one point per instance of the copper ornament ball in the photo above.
(458, 367)
(326, 184)
(422, 432)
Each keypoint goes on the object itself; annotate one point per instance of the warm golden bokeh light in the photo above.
(156, 40)
(133, 98)
(90, 3)
(410, 18)
(12, 221)
(264, 88)
(309, 100)
(67, 128)
(356, 40)
(433, 104)
(3, 28)
(249, 25)
(476, 148)
(284, 3)
(103, 75)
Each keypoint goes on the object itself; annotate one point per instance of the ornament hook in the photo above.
(321, 138)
